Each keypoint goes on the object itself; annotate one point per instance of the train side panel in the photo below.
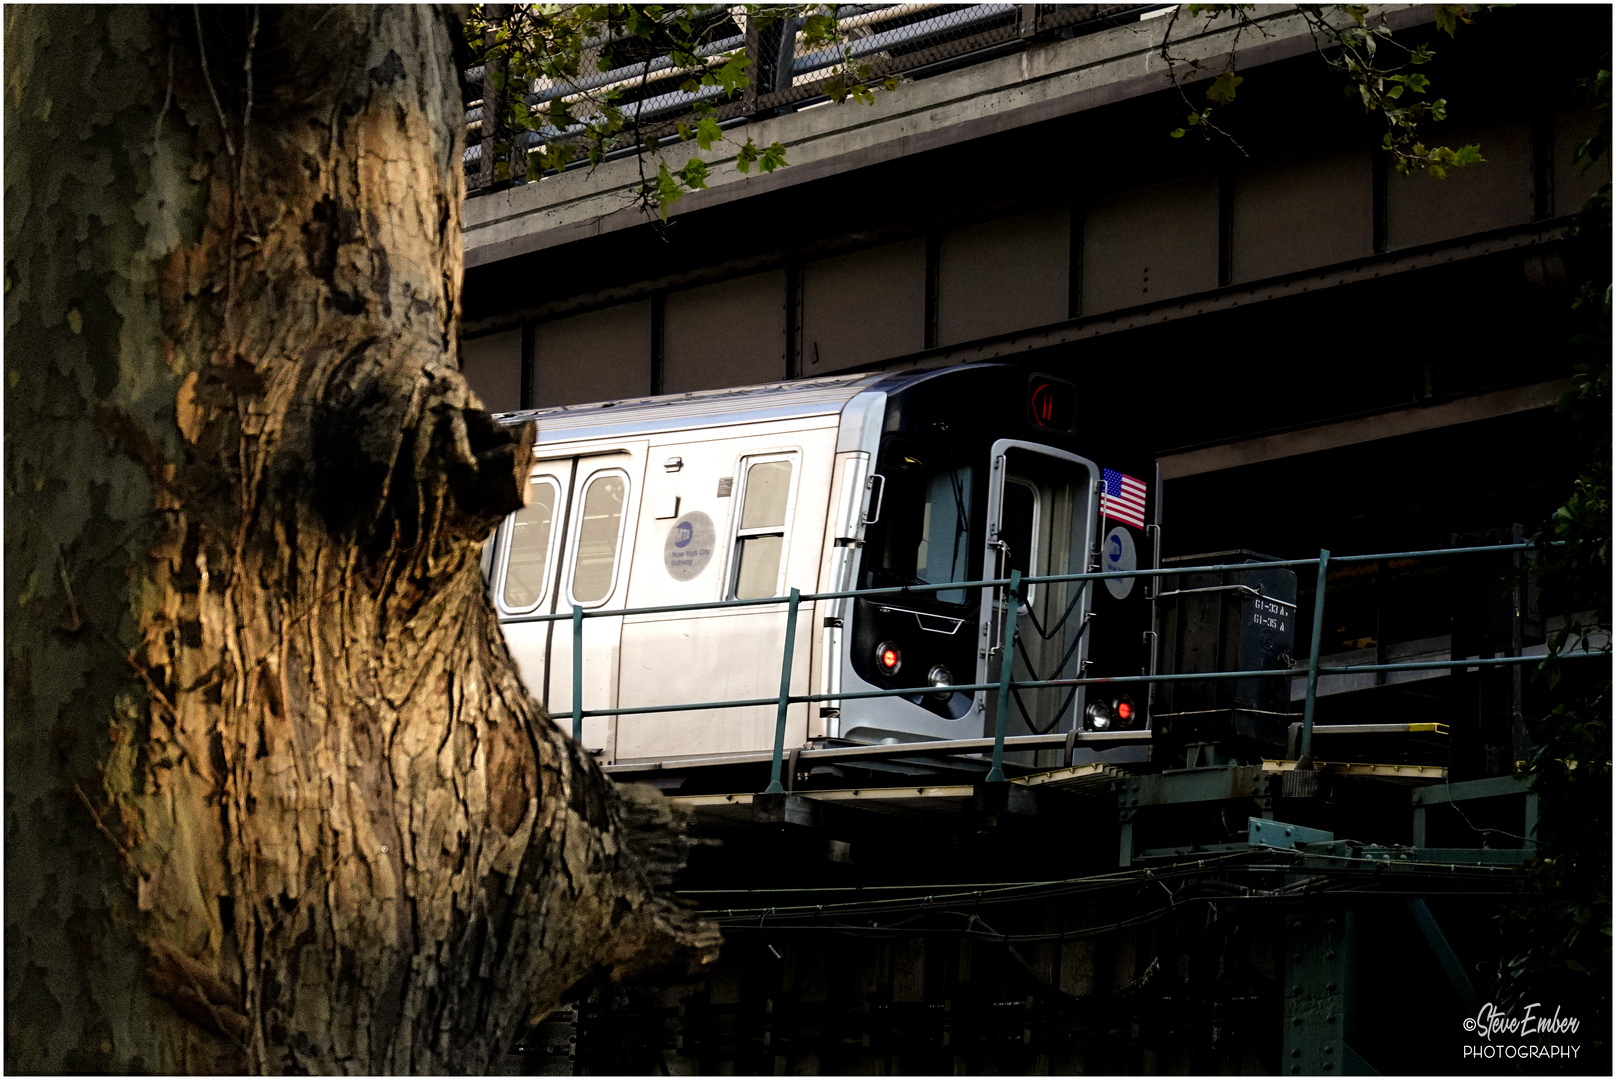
(737, 511)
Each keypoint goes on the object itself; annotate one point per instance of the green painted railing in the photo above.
(1015, 585)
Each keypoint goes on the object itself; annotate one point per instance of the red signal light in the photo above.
(888, 657)
(1124, 710)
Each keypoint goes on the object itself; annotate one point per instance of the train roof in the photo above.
(822, 396)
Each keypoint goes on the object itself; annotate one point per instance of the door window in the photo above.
(600, 534)
(1019, 529)
(760, 535)
(529, 535)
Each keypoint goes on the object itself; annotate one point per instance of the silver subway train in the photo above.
(863, 481)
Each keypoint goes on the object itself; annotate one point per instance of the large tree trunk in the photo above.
(275, 797)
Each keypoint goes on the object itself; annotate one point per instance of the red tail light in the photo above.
(888, 658)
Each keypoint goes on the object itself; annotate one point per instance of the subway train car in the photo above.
(848, 482)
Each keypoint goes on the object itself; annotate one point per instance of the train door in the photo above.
(1042, 507)
(571, 544)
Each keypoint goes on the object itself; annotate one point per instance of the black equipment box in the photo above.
(1225, 620)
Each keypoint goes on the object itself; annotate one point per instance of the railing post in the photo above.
(491, 70)
(754, 63)
(1012, 602)
(1305, 759)
(774, 787)
(577, 673)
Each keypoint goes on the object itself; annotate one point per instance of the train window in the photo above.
(528, 536)
(924, 533)
(760, 535)
(945, 532)
(600, 534)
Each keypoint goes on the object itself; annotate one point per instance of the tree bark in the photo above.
(276, 799)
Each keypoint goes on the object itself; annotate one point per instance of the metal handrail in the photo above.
(1097, 680)
(999, 583)
(1016, 584)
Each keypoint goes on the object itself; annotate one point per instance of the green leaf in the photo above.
(774, 156)
(667, 190)
(1176, 133)
(708, 132)
(1221, 92)
(1449, 16)
(694, 174)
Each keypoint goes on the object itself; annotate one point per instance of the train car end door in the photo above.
(1043, 504)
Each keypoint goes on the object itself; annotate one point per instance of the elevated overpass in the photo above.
(1292, 305)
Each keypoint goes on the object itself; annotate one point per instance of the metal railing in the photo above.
(785, 71)
(1015, 585)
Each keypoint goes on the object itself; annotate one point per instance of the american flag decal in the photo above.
(1124, 499)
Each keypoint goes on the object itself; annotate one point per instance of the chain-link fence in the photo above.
(870, 44)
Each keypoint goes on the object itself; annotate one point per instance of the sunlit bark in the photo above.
(275, 796)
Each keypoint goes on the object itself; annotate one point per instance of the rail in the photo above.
(1005, 684)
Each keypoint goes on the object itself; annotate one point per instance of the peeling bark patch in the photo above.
(126, 434)
(509, 760)
(389, 71)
